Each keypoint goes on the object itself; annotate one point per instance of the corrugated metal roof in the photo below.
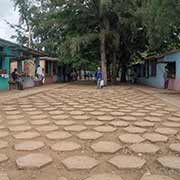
(17, 47)
(157, 57)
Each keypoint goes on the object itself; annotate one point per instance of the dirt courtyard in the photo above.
(76, 132)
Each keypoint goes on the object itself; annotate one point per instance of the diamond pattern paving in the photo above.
(65, 146)
(3, 134)
(58, 135)
(80, 163)
(76, 132)
(19, 128)
(3, 144)
(175, 147)
(144, 148)
(3, 176)
(105, 129)
(89, 135)
(167, 131)
(127, 162)
(105, 177)
(131, 138)
(94, 123)
(105, 118)
(156, 177)
(27, 135)
(132, 129)
(3, 157)
(62, 178)
(33, 161)
(29, 145)
(76, 128)
(170, 162)
(106, 147)
(154, 137)
(119, 123)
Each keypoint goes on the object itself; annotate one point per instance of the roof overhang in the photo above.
(24, 51)
(46, 58)
(157, 57)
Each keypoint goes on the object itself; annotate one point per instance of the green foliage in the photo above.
(70, 29)
(161, 20)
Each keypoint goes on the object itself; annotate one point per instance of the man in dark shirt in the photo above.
(17, 79)
(15, 75)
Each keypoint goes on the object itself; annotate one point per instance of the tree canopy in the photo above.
(110, 33)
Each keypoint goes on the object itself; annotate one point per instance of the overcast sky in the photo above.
(8, 13)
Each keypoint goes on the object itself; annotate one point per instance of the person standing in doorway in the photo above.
(99, 77)
(166, 78)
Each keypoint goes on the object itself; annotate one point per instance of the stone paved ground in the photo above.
(76, 132)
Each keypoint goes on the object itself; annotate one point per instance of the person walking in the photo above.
(39, 73)
(99, 77)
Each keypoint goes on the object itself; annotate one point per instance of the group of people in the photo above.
(88, 75)
(18, 77)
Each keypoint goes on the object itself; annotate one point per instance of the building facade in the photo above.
(152, 71)
(26, 61)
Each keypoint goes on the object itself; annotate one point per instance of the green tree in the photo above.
(87, 33)
(161, 23)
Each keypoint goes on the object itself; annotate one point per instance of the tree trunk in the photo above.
(103, 55)
(114, 68)
(123, 74)
(80, 77)
(116, 42)
(108, 71)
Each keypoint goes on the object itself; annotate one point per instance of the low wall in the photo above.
(50, 79)
(174, 84)
(4, 85)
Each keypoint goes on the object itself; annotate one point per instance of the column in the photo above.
(19, 66)
(37, 62)
(6, 60)
(4, 85)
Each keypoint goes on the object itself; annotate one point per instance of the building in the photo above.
(26, 61)
(51, 69)
(151, 70)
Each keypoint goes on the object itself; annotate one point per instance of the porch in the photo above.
(26, 61)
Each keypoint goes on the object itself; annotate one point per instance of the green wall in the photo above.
(4, 85)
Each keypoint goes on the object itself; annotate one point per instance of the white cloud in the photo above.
(7, 13)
